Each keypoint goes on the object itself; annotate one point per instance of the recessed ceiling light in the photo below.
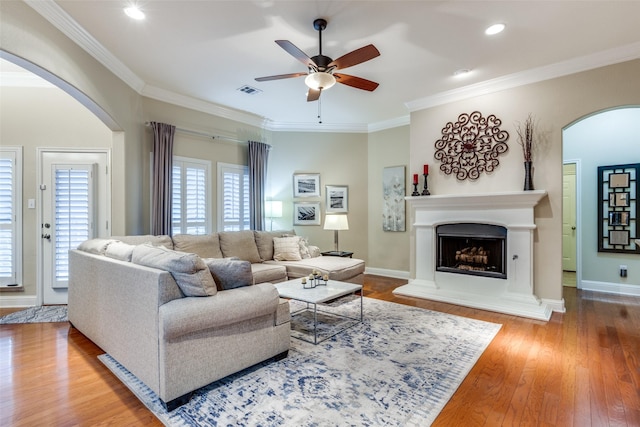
(494, 29)
(134, 12)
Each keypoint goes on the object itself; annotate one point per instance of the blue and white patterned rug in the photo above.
(397, 368)
(41, 314)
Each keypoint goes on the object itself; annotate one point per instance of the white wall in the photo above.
(608, 138)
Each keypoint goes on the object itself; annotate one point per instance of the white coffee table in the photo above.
(319, 295)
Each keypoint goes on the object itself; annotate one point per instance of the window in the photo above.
(233, 197)
(10, 215)
(190, 209)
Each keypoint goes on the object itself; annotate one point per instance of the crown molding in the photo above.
(317, 127)
(390, 124)
(63, 22)
(202, 106)
(571, 66)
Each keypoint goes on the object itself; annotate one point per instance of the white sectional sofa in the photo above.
(182, 312)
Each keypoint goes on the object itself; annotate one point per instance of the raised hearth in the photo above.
(511, 293)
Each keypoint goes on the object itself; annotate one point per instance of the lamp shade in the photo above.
(273, 209)
(336, 222)
(320, 80)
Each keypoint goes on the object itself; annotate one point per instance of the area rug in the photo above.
(42, 314)
(397, 368)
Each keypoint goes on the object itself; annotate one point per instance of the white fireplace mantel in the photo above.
(512, 210)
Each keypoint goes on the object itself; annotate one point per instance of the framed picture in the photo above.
(618, 199)
(618, 237)
(393, 205)
(306, 185)
(306, 214)
(337, 198)
(618, 218)
(618, 180)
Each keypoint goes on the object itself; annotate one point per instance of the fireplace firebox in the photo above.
(469, 248)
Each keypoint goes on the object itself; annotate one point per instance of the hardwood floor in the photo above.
(582, 368)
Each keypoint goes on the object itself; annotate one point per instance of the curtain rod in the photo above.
(205, 135)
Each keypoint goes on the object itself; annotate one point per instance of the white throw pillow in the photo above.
(286, 248)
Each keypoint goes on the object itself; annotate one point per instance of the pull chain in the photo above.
(320, 110)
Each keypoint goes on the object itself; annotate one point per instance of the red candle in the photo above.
(426, 169)
(415, 178)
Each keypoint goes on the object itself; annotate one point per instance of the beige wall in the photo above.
(340, 159)
(388, 251)
(555, 104)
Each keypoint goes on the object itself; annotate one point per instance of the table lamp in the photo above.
(336, 222)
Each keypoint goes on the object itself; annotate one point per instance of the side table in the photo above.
(343, 254)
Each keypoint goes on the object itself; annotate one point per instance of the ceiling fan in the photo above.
(321, 75)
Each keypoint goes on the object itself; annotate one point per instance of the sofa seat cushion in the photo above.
(230, 273)
(271, 273)
(205, 246)
(189, 270)
(192, 315)
(336, 267)
(239, 244)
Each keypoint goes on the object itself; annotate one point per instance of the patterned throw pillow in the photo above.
(286, 248)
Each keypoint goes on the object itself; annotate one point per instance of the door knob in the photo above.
(47, 236)
(573, 228)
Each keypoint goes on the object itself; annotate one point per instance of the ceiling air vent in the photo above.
(249, 90)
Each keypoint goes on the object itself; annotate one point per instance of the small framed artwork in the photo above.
(618, 180)
(337, 198)
(618, 237)
(618, 199)
(306, 214)
(618, 218)
(306, 185)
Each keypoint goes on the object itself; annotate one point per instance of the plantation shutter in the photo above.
(8, 218)
(234, 214)
(190, 204)
(73, 215)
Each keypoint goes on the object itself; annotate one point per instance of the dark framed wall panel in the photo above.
(618, 208)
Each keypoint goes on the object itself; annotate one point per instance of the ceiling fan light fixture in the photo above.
(495, 29)
(320, 80)
(134, 12)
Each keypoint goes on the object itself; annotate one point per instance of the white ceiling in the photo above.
(199, 53)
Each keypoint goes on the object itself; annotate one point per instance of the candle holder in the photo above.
(415, 189)
(425, 192)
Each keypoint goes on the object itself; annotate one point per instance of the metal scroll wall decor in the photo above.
(471, 146)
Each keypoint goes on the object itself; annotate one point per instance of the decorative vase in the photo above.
(528, 176)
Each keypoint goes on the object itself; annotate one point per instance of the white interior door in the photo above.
(569, 220)
(74, 200)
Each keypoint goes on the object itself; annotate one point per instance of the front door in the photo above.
(74, 207)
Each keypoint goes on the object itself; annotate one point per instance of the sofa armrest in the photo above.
(193, 314)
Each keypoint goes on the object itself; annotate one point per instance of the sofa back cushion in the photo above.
(264, 241)
(189, 270)
(239, 244)
(205, 246)
(230, 273)
(119, 250)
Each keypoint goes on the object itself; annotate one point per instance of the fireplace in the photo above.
(502, 224)
(470, 248)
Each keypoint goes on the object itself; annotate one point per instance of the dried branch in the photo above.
(525, 137)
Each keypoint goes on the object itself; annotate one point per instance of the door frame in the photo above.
(577, 162)
(40, 152)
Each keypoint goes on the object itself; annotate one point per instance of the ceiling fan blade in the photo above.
(357, 82)
(355, 57)
(294, 51)
(313, 95)
(279, 76)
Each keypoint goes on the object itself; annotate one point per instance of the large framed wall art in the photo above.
(618, 208)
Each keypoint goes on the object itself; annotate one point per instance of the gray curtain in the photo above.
(258, 159)
(162, 178)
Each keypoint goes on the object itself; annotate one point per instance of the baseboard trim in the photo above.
(611, 288)
(396, 274)
(557, 305)
(11, 301)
